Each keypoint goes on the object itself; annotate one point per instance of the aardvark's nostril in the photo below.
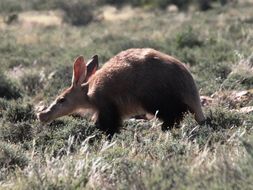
(42, 117)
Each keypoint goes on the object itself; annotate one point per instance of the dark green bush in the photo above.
(3, 104)
(13, 6)
(8, 89)
(221, 118)
(16, 133)
(42, 4)
(56, 134)
(204, 4)
(77, 13)
(181, 4)
(187, 55)
(11, 156)
(8, 6)
(18, 112)
(32, 83)
(219, 70)
(162, 4)
(3, 107)
(249, 147)
(18, 61)
(11, 18)
(188, 38)
(216, 129)
(238, 81)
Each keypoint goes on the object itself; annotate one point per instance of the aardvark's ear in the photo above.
(79, 71)
(92, 67)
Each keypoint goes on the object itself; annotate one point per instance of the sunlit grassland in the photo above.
(36, 63)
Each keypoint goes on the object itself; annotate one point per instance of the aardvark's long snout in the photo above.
(44, 116)
(41, 114)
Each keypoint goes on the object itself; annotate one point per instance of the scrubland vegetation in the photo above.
(39, 41)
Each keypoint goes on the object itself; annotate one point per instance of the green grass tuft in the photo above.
(18, 112)
(188, 38)
(12, 156)
(8, 89)
(70, 153)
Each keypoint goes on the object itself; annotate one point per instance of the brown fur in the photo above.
(138, 81)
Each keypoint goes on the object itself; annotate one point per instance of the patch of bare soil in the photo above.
(41, 18)
(111, 13)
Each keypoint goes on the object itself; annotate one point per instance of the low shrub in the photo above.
(18, 112)
(188, 38)
(16, 132)
(220, 119)
(3, 106)
(77, 13)
(18, 61)
(14, 6)
(54, 136)
(9, 6)
(8, 89)
(11, 156)
(241, 76)
(238, 81)
(161, 4)
(11, 18)
(32, 83)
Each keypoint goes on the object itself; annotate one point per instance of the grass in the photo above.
(8, 88)
(70, 153)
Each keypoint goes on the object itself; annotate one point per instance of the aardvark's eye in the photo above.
(61, 100)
